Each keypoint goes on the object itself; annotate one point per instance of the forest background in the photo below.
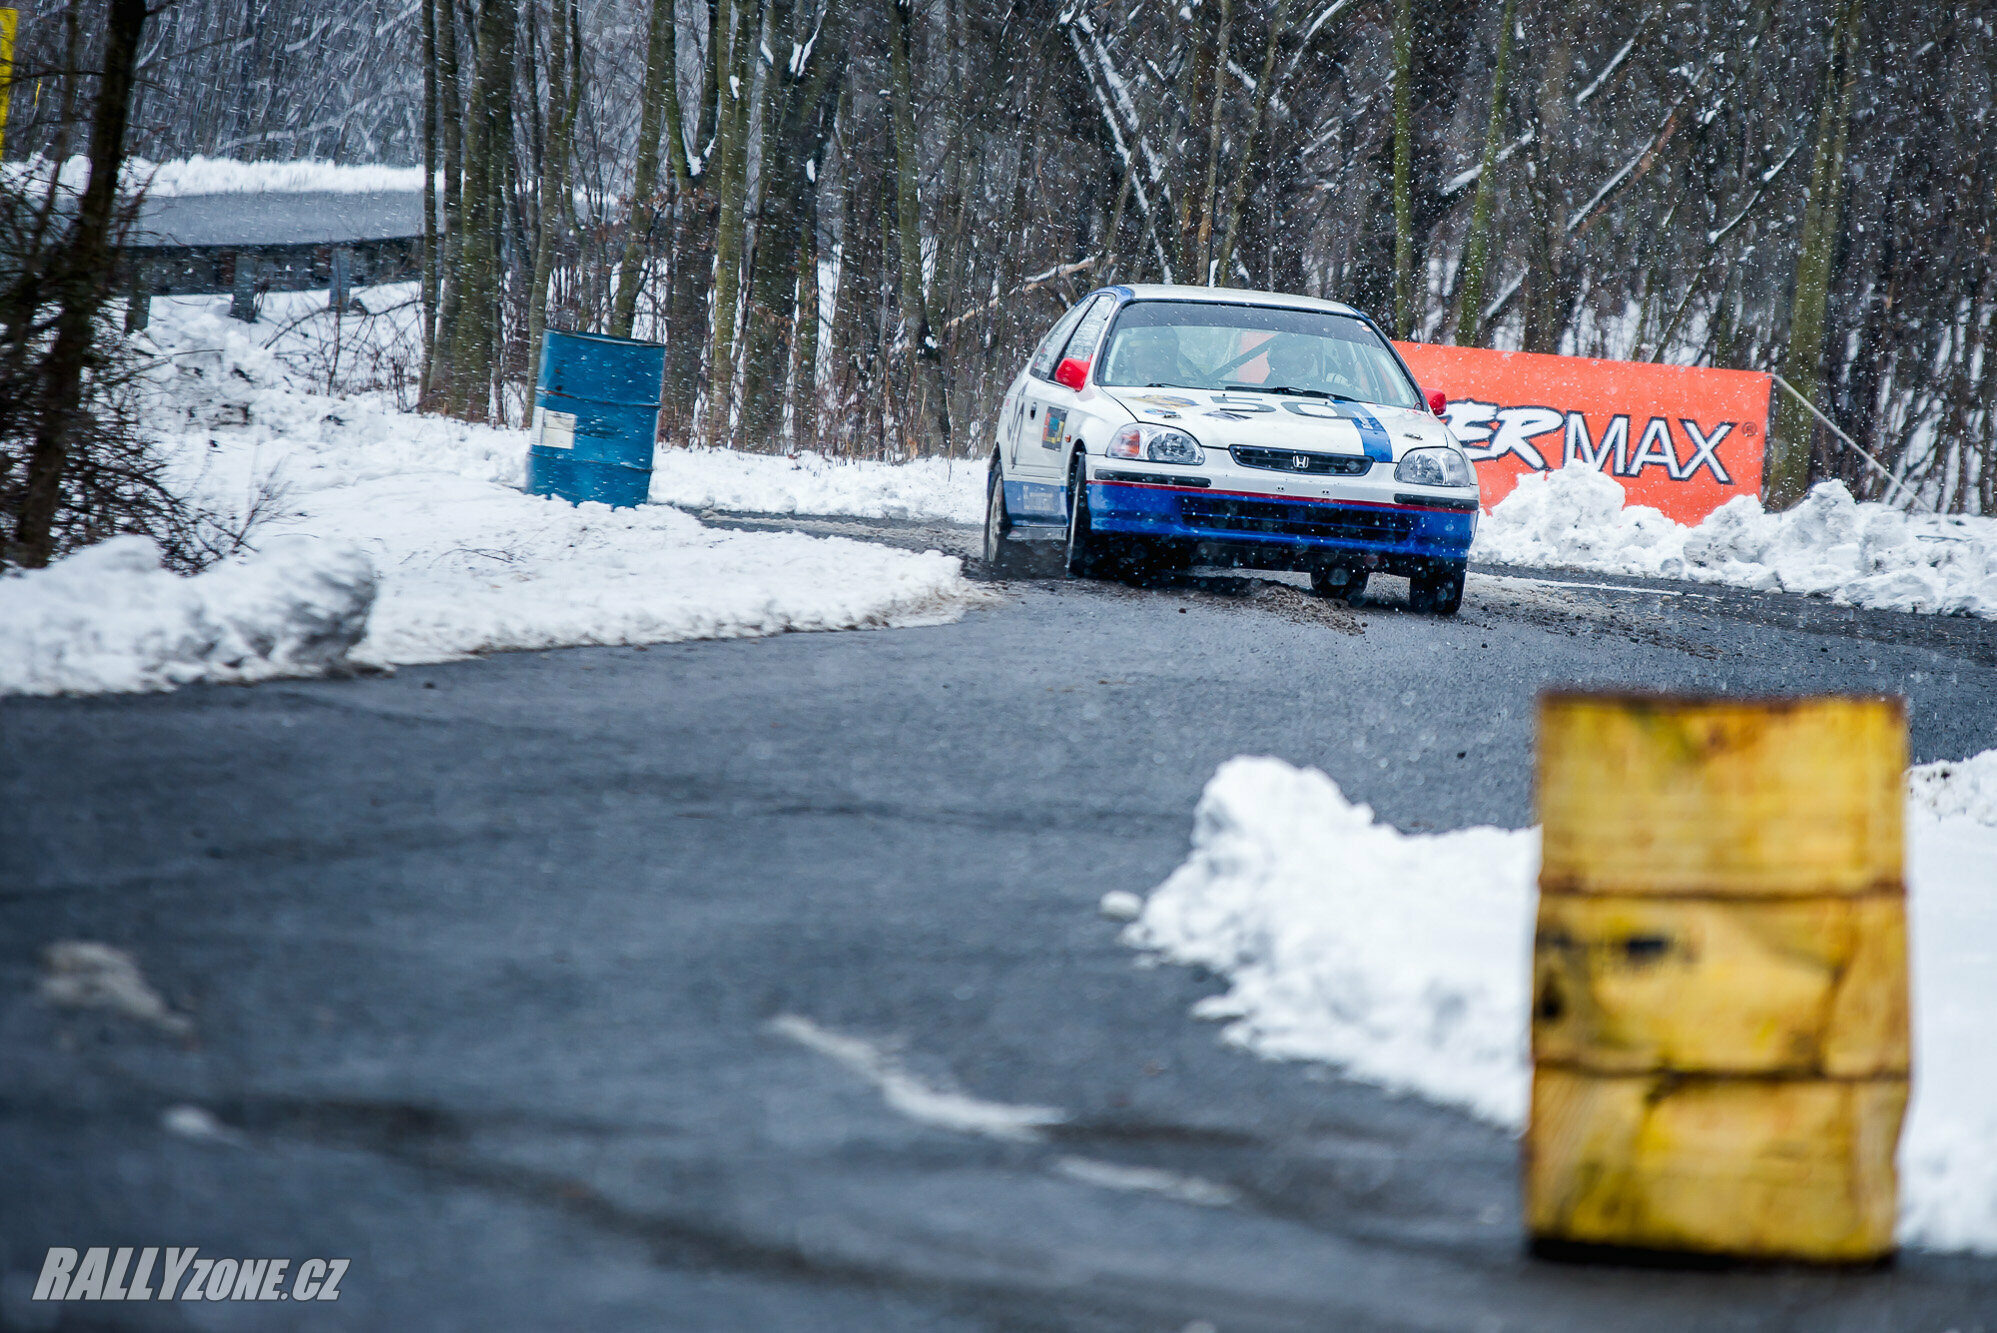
(849, 219)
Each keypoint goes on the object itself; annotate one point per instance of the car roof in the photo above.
(1160, 291)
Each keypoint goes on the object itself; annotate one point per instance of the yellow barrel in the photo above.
(1719, 1022)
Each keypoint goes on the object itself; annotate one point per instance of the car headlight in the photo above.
(1435, 467)
(1159, 444)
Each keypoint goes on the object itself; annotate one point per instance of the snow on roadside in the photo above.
(1404, 959)
(1869, 554)
(949, 490)
(109, 618)
(423, 518)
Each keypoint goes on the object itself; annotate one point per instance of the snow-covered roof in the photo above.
(214, 203)
(1161, 291)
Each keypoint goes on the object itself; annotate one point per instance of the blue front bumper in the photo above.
(1280, 529)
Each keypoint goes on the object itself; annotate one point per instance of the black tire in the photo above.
(1004, 557)
(1353, 590)
(1438, 590)
(1088, 550)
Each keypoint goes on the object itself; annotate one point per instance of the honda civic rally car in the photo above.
(1157, 427)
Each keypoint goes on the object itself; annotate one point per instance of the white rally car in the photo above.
(1159, 427)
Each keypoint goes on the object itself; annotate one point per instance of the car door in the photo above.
(1024, 419)
(1051, 407)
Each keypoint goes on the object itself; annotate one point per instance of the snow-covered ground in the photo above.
(932, 489)
(412, 529)
(1868, 554)
(1404, 959)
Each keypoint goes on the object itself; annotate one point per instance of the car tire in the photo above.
(1088, 556)
(1437, 590)
(1004, 557)
(1353, 590)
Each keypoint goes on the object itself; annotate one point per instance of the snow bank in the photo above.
(1869, 555)
(1404, 959)
(949, 490)
(426, 514)
(1966, 787)
(110, 618)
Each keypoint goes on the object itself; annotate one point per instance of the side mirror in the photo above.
(1437, 403)
(1073, 372)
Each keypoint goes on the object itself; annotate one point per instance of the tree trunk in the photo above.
(930, 409)
(1469, 314)
(661, 84)
(1404, 213)
(470, 356)
(81, 280)
(794, 131)
(804, 359)
(1203, 240)
(692, 268)
(564, 97)
(430, 274)
(743, 20)
(1788, 476)
(451, 114)
(1265, 87)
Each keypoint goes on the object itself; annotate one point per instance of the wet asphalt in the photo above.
(483, 961)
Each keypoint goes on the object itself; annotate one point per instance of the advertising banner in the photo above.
(1681, 439)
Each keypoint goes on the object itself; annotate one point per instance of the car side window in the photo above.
(1090, 331)
(1048, 354)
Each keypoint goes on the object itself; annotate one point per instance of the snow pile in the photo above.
(426, 515)
(1301, 900)
(950, 490)
(472, 567)
(1966, 787)
(110, 618)
(1870, 555)
(1404, 959)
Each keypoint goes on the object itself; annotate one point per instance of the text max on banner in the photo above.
(1682, 439)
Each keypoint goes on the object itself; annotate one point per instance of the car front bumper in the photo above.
(1360, 523)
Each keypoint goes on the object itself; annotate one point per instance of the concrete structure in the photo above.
(250, 243)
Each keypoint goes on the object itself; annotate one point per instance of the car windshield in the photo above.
(1206, 345)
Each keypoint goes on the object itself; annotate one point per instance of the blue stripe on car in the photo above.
(1371, 433)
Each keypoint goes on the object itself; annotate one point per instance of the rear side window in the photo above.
(1048, 354)
(1090, 331)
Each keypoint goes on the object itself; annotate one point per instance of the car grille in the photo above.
(1285, 460)
(1277, 519)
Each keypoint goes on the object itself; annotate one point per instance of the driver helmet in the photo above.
(1293, 360)
(1149, 355)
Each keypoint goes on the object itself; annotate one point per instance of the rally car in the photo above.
(1160, 426)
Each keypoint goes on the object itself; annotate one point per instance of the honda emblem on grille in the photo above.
(1301, 462)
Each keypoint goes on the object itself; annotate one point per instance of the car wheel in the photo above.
(1352, 590)
(1438, 589)
(1087, 556)
(1004, 557)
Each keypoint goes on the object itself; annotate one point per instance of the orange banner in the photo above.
(1681, 439)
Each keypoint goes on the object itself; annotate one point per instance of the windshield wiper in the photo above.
(1296, 392)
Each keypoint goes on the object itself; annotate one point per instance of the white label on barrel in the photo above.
(554, 430)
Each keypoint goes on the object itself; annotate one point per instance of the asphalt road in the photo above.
(668, 989)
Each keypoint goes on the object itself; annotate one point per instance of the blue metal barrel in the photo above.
(596, 418)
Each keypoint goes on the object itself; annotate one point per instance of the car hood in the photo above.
(1279, 421)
